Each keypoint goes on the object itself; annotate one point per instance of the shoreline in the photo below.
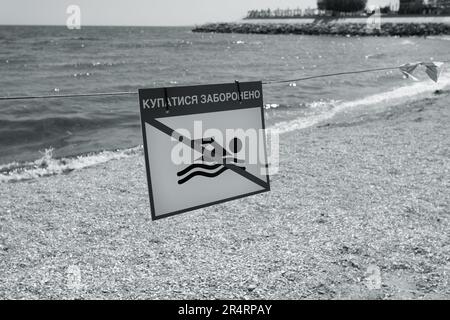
(362, 189)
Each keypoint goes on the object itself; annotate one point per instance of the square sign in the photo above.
(203, 145)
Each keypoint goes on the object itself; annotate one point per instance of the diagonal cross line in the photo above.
(190, 143)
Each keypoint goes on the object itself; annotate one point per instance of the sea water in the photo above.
(84, 131)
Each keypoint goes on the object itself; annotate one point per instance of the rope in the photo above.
(327, 75)
(267, 82)
(97, 94)
(336, 74)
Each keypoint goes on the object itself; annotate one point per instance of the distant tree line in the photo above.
(342, 5)
(437, 7)
(355, 7)
(411, 7)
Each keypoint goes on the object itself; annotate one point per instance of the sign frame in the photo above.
(165, 109)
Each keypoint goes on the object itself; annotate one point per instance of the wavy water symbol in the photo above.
(204, 170)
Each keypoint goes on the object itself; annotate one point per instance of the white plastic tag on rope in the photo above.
(408, 68)
(433, 70)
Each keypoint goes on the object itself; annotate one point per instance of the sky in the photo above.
(141, 12)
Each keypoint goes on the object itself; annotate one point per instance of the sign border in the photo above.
(147, 162)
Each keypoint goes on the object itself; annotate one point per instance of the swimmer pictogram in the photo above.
(213, 160)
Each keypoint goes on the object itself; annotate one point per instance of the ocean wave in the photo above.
(89, 65)
(443, 38)
(407, 42)
(408, 92)
(23, 130)
(48, 166)
(314, 105)
(154, 44)
(376, 56)
(84, 38)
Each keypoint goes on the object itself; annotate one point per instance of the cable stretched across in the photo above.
(75, 95)
(327, 75)
(266, 82)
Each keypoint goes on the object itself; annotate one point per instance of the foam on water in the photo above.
(47, 165)
(401, 94)
(443, 38)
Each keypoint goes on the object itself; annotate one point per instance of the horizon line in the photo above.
(94, 25)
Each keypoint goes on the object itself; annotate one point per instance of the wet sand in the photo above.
(364, 190)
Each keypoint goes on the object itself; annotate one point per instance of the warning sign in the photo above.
(203, 145)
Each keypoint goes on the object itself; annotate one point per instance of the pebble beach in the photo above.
(366, 190)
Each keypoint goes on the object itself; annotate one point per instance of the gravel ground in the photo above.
(365, 193)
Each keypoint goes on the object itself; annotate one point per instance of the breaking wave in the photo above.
(48, 166)
(401, 94)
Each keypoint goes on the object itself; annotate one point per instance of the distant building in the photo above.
(435, 7)
(281, 13)
(298, 12)
(310, 12)
(411, 7)
(443, 6)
